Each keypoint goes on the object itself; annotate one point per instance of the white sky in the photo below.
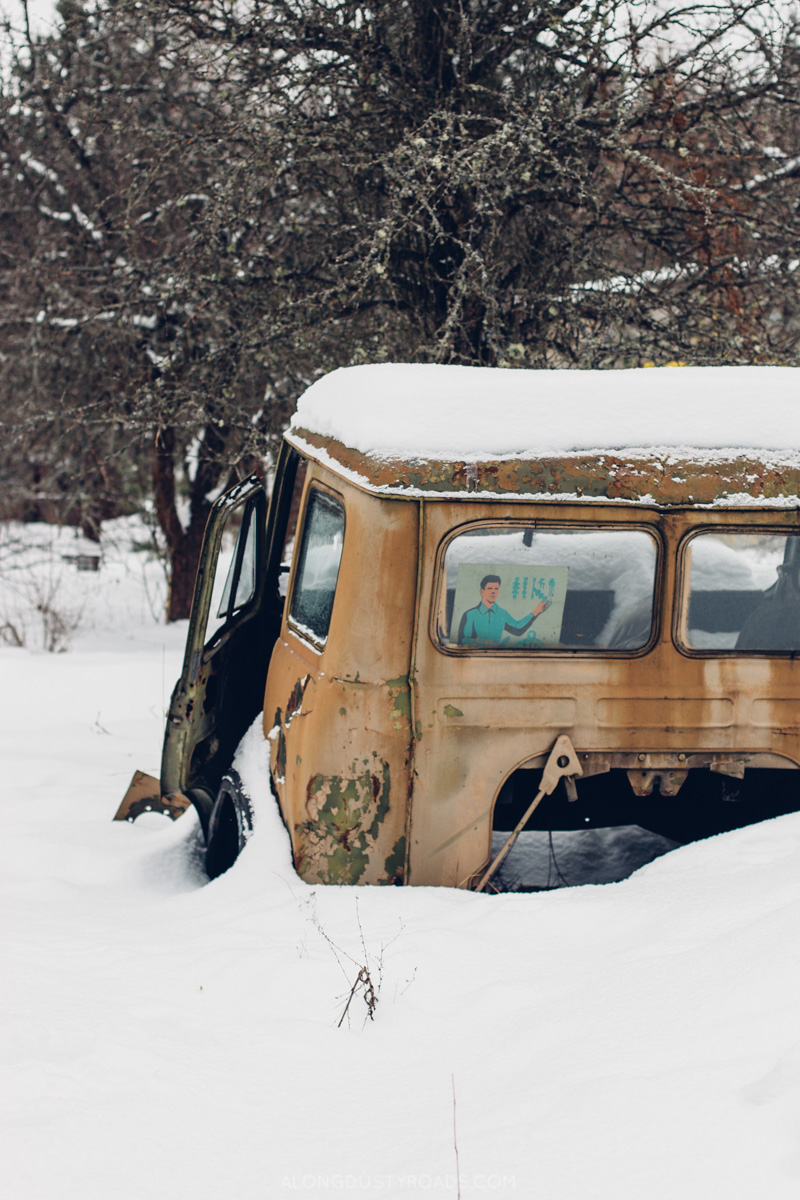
(42, 14)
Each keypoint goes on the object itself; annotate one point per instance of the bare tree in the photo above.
(206, 205)
(125, 305)
(497, 182)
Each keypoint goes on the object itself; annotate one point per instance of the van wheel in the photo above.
(229, 826)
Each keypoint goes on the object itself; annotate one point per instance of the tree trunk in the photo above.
(183, 545)
(183, 569)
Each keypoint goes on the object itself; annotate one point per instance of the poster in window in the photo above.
(507, 606)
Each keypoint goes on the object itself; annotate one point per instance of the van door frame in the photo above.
(221, 687)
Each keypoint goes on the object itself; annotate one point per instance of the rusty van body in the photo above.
(401, 731)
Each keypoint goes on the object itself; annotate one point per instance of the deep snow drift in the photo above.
(168, 1037)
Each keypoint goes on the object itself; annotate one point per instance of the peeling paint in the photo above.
(400, 697)
(294, 704)
(450, 710)
(344, 817)
(280, 746)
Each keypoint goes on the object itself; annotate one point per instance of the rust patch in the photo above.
(667, 481)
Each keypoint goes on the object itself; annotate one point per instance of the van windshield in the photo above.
(516, 588)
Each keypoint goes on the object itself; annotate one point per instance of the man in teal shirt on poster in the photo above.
(488, 624)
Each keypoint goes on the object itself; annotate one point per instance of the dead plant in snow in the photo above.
(369, 971)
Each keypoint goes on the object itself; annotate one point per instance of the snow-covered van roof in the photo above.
(684, 435)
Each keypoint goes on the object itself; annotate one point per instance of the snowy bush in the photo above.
(55, 583)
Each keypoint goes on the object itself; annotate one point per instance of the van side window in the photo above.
(240, 582)
(530, 589)
(318, 566)
(236, 568)
(288, 544)
(743, 592)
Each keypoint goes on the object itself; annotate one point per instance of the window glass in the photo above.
(291, 526)
(527, 589)
(222, 574)
(743, 592)
(246, 583)
(318, 567)
(235, 566)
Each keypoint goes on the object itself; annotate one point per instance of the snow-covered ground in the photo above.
(168, 1037)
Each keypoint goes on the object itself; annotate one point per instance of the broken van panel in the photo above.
(450, 637)
(144, 795)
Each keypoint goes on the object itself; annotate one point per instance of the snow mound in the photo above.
(167, 1037)
(402, 410)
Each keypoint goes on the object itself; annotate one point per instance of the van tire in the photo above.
(229, 826)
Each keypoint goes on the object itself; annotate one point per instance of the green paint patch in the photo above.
(342, 712)
(400, 699)
(345, 815)
(450, 710)
(395, 865)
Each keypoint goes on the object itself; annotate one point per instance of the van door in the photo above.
(234, 622)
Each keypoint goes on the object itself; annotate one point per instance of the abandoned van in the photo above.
(485, 600)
